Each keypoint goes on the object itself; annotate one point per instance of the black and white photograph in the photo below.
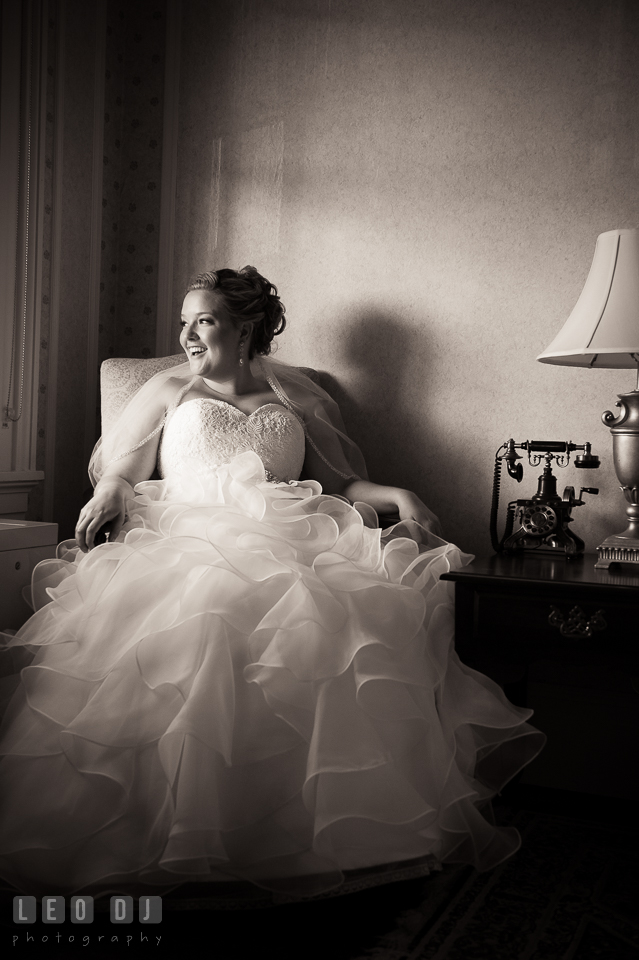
(319, 479)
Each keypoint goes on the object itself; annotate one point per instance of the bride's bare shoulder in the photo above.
(172, 387)
(163, 393)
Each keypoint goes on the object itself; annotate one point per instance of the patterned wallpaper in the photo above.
(132, 155)
(133, 115)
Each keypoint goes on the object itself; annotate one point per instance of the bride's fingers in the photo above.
(425, 518)
(80, 533)
(86, 528)
(96, 525)
(91, 531)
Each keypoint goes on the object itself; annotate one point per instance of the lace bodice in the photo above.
(212, 432)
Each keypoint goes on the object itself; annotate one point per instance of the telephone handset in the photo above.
(543, 520)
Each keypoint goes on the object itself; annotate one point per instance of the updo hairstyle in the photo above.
(248, 297)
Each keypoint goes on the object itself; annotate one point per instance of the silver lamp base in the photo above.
(624, 547)
(617, 549)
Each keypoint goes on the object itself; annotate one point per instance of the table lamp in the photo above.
(603, 331)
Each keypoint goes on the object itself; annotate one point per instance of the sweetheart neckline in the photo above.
(225, 403)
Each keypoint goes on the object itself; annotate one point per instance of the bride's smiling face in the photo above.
(209, 336)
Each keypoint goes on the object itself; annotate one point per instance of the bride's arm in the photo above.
(108, 503)
(115, 487)
(389, 500)
(385, 500)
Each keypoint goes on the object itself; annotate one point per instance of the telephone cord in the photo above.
(497, 544)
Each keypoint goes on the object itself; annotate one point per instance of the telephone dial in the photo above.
(542, 522)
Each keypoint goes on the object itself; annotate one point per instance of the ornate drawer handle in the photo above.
(576, 624)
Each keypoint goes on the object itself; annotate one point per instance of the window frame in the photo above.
(22, 163)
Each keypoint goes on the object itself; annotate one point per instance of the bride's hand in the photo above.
(410, 507)
(108, 505)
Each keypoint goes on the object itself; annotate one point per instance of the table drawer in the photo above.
(515, 628)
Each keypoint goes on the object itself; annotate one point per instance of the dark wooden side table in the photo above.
(562, 638)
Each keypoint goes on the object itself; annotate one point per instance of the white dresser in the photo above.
(23, 543)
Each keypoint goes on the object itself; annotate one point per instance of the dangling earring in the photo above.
(241, 345)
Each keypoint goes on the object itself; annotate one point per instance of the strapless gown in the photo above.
(253, 683)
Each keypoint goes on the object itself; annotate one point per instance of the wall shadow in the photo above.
(386, 412)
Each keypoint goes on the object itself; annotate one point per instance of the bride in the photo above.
(249, 680)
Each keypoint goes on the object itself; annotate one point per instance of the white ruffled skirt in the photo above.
(252, 683)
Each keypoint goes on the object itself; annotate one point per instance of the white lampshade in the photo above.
(603, 328)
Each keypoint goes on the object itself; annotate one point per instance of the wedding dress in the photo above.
(253, 682)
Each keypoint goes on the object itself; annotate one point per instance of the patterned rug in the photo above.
(570, 893)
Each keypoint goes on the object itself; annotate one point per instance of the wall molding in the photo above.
(15, 487)
(169, 177)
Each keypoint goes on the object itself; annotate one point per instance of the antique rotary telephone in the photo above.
(543, 520)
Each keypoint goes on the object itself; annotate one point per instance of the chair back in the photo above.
(121, 377)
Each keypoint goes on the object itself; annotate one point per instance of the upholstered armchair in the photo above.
(121, 377)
